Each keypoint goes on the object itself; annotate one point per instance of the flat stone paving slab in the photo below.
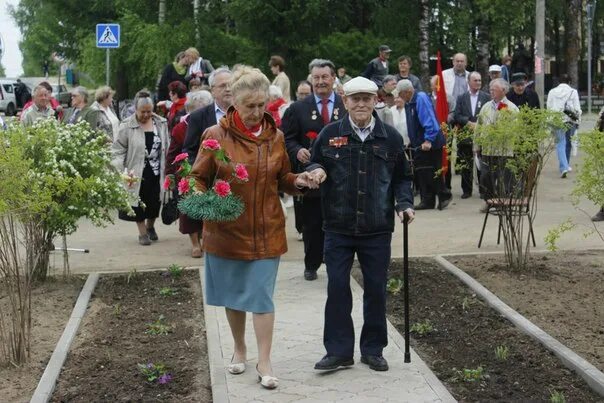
(298, 344)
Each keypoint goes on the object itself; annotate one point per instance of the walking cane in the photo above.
(406, 284)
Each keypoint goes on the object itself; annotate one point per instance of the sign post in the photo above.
(107, 37)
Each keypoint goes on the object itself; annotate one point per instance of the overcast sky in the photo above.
(12, 59)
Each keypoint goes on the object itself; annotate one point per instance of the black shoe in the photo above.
(375, 362)
(423, 206)
(331, 362)
(442, 204)
(466, 195)
(152, 234)
(310, 275)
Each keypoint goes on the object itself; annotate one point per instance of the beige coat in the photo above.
(128, 151)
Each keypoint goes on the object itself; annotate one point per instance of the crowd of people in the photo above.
(342, 149)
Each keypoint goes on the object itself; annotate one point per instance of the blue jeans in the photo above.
(561, 150)
(373, 253)
(569, 133)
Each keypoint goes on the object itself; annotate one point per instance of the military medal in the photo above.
(338, 142)
(335, 113)
(314, 115)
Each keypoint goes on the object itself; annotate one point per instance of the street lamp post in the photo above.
(591, 9)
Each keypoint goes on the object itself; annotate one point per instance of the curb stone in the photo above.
(215, 359)
(47, 383)
(592, 375)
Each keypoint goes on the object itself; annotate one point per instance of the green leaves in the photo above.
(208, 206)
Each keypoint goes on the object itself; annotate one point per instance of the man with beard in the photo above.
(301, 123)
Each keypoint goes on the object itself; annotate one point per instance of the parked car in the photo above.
(61, 94)
(13, 95)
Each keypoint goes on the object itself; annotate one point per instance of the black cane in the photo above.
(406, 284)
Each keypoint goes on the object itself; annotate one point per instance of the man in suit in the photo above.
(209, 115)
(465, 116)
(302, 122)
(80, 110)
(456, 78)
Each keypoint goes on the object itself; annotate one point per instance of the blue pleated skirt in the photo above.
(243, 285)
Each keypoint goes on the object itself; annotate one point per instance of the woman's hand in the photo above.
(306, 180)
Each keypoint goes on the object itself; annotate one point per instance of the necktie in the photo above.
(74, 116)
(325, 111)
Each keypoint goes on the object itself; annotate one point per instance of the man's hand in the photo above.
(409, 213)
(318, 176)
(471, 125)
(305, 179)
(303, 155)
(426, 146)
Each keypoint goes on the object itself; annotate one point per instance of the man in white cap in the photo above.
(366, 179)
(494, 71)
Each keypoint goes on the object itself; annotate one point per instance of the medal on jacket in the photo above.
(338, 142)
(314, 115)
(336, 111)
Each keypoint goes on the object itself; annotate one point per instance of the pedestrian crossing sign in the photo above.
(108, 36)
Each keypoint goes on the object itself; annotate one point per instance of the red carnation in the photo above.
(502, 105)
(222, 188)
(241, 172)
(312, 135)
(210, 144)
(167, 183)
(180, 157)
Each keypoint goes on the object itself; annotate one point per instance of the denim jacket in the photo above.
(364, 179)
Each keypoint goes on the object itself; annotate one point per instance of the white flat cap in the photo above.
(495, 68)
(360, 85)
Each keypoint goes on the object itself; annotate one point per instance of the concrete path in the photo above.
(298, 344)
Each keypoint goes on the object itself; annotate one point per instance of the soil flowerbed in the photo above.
(460, 339)
(52, 303)
(563, 295)
(115, 337)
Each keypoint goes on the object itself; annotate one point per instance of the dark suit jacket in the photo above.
(199, 121)
(463, 108)
(88, 114)
(298, 121)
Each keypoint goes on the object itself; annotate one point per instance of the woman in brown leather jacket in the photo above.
(242, 256)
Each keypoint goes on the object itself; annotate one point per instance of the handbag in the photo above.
(169, 209)
(572, 114)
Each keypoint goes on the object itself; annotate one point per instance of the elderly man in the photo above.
(367, 178)
(208, 116)
(466, 113)
(302, 122)
(456, 78)
(492, 162)
(80, 110)
(404, 72)
(40, 109)
(426, 141)
(520, 95)
(377, 68)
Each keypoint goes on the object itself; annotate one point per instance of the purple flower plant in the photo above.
(164, 379)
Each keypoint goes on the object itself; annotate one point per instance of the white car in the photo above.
(8, 101)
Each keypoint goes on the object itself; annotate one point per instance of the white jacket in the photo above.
(449, 79)
(564, 97)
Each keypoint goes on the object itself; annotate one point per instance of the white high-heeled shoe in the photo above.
(267, 381)
(236, 368)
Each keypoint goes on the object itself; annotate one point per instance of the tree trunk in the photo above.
(162, 11)
(482, 48)
(424, 41)
(573, 40)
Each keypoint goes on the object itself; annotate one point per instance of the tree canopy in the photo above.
(250, 31)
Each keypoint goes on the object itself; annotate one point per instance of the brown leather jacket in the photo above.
(259, 232)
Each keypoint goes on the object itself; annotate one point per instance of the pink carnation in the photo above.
(167, 183)
(180, 157)
(222, 188)
(183, 186)
(210, 144)
(241, 173)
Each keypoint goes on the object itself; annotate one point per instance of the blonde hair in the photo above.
(247, 79)
(192, 52)
(102, 93)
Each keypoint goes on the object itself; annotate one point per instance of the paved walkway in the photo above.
(298, 345)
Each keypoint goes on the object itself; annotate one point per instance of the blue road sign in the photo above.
(108, 36)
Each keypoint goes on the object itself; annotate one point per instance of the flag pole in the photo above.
(406, 284)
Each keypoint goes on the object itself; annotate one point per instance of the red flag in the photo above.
(442, 107)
